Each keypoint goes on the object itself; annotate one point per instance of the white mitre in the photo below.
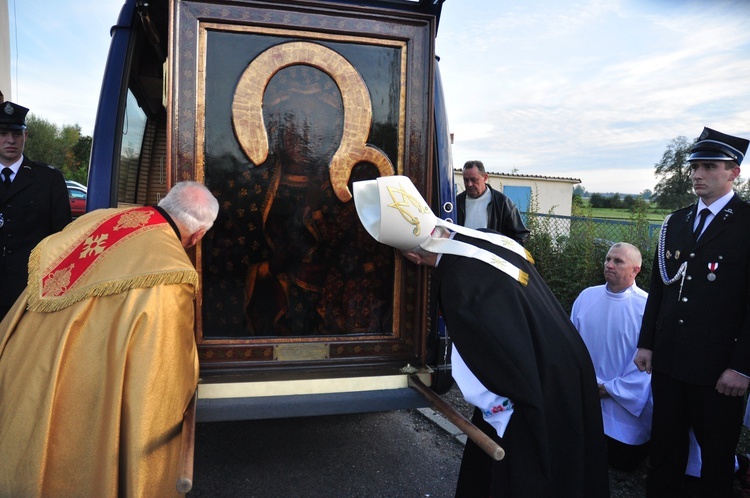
(394, 213)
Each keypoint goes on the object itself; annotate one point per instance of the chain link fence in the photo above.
(569, 251)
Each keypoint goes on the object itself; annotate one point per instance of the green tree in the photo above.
(742, 188)
(639, 206)
(674, 188)
(42, 143)
(579, 190)
(64, 148)
(77, 166)
(577, 205)
(597, 200)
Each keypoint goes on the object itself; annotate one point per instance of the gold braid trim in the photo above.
(35, 303)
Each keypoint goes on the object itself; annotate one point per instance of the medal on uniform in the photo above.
(668, 255)
(677, 254)
(712, 268)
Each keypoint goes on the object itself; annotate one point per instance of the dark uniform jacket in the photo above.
(701, 327)
(35, 206)
(519, 342)
(502, 215)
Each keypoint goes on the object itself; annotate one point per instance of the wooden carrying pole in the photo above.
(472, 432)
(187, 451)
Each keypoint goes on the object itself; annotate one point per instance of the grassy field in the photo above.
(653, 214)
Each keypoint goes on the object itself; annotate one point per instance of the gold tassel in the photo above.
(529, 257)
(49, 305)
(523, 277)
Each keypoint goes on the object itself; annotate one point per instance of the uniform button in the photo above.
(684, 299)
(692, 255)
(721, 257)
(689, 277)
(680, 321)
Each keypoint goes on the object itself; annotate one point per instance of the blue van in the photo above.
(277, 107)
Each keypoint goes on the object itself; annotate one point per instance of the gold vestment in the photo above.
(98, 361)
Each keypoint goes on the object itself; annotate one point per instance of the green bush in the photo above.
(569, 251)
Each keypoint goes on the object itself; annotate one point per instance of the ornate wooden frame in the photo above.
(307, 34)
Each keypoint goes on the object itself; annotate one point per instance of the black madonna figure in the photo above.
(320, 274)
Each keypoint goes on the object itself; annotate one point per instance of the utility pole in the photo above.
(5, 93)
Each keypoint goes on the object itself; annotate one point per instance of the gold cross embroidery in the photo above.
(94, 245)
(402, 204)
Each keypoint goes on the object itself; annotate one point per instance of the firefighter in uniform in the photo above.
(33, 204)
(695, 335)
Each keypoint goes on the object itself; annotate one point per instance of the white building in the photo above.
(543, 194)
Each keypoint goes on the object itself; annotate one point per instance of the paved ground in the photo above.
(396, 454)
(621, 484)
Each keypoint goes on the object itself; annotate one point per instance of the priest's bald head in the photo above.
(193, 209)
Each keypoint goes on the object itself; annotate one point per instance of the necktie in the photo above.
(6, 177)
(701, 223)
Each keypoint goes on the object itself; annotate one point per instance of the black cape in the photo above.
(520, 343)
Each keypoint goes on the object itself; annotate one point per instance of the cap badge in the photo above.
(8, 109)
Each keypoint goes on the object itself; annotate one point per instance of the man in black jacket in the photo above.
(695, 335)
(480, 206)
(522, 361)
(33, 204)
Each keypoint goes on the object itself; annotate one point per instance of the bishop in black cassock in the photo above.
(518, 341)
(515, 339)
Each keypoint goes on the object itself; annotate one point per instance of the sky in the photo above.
(593, 90)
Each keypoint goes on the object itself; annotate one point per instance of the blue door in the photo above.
(521, 197)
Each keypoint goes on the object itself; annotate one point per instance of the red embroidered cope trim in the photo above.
(105, 236)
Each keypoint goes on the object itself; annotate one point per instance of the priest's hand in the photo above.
(642, 360)
(732, 383)
(603, 392)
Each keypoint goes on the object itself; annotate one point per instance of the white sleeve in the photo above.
(496, 409)
(631, 389)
